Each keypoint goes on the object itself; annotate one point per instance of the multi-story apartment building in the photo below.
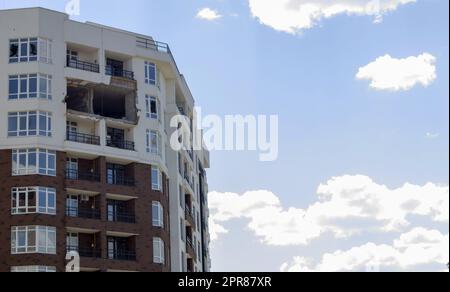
(85, 158)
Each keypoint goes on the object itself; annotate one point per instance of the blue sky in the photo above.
(331, 124)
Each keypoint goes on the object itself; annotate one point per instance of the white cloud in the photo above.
(292, 16)
(387, 73)
(415, 248)
(346, 205)
(208, 14)
(268, 220)
(433, 135)
(352, 204)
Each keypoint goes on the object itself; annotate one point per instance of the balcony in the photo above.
(122, 73)
(189, 216)
(82, 65)
(190, 248)
(120, 144)
(86, 252)
(122, 255)
(86, 213)
(75, 174)
(122, 217)
(120, 181)
(83, 138)
(110, 101)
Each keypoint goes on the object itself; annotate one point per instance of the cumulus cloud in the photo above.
(268, 220)
(208, 14)
(359, 198)
(346, 205)
(415, 248)
(388, 73)
(292, 16)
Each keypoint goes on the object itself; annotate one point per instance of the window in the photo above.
(184, 263)
(29, 200)
(157, 214)
(182, 230)
(152, 107)
(30, 86)
(29, 49)
(33, 123)
(33, 239)
(156, 179)
(181, 194)
(197, 215)
(158, 251)
(153, 142)
(72, 55)
(33, 269)
(23, 50)
(33, 161)
(151, 73)
(45, 50)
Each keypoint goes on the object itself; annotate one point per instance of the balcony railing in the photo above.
(152, 45)
(120, 181)
(122, 255)
(190, 246)
(86, 252)
(81, 65)
(123, 217)
(121, 144)
(115, 72)
(86, 213)
(75, 174)
(83, 138)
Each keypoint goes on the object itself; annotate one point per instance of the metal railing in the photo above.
(190, 246)
(86, 252)
(83, 138)
(123, 217)
(87, 213)
(75, 174)
(111, 71)
(188, 211)
(120, 181)
(153, 45)
(85, 66)
(121, 144)
(122, 255)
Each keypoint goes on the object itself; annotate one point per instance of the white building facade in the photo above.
(85, 115)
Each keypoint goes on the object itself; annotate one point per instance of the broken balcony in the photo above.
(114, 102)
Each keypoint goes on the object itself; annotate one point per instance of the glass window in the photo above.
(29, 200)
(33, 269)
(14, 51)
(45, 50)
(157, 214)
(26, 124)
(158, 251)
(150, 73)
(33, 161)
(30, 86)
(153, 142)
(13, 87)
(26, 50)
(156, 179)
(33, 239)
(152, 106)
